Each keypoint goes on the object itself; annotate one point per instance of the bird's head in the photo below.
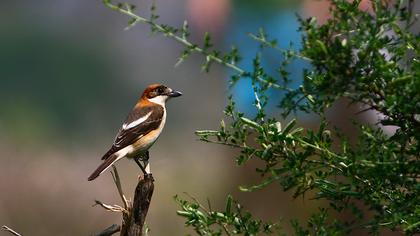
(158, 93)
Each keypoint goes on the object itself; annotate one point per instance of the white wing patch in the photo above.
(136, 122)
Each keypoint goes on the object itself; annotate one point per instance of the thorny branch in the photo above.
(192, 47)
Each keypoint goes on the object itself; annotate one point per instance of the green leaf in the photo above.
(262, 185)
(289, 126)
(228, 208)
(252, 123)
(184, 213)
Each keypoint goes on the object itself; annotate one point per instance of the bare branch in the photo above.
(134, 214)
(110, 230)
(116, 178)
(134, 221)
(114, 208)
(6, 228)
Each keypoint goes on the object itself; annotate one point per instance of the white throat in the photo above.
(161, 99)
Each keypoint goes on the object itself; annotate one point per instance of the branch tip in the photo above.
(6, 228)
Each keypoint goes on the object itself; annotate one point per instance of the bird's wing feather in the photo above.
(126, 137)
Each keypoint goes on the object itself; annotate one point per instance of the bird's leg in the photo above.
(145, 159)
(140, 165)
(146, 165)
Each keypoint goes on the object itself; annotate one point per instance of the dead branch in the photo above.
(110, 230)
(134, 221)
(6, 228)
(117, 182)
(114, 208)
(134, 214)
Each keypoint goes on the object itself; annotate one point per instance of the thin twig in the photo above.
(268, 44)
(114, 208)
(116, 178)
(257, 100)
(208, 211)
(315, 146)
(222, 143)
(6, 228)
(186, 43)
(225, 228)
(198, 202)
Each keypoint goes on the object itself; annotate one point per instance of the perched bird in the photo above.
(141, 128)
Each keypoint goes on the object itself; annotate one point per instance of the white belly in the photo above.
(144, 143)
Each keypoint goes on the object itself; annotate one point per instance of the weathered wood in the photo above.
(133, 221)
(110, 230)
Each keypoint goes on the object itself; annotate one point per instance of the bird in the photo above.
(140, 129)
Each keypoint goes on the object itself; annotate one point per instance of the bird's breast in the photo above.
(145, 142)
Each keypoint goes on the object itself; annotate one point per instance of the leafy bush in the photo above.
(369, 58)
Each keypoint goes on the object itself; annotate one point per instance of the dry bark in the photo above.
(134, 214)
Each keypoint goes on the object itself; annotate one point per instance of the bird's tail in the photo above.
(104, 166)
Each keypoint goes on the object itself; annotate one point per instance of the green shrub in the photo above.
(369, 58)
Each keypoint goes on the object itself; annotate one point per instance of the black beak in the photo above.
(174, 93)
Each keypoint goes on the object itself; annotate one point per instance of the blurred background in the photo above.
(69, 74)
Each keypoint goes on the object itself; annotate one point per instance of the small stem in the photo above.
(198, 202)
(268, 44)
(226, 229)
(257, 100)
(318, 148)
(208, 212)
(223, 143)
(113, 208)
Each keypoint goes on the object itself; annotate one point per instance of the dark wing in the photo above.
(126, 137)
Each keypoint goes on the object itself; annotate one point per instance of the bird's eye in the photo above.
(160, 90)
